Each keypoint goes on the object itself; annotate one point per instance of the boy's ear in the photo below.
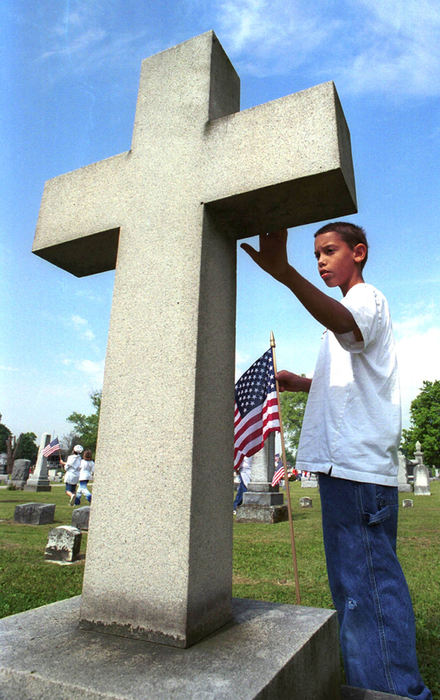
(359, 252)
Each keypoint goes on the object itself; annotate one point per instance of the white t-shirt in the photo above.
(245, 470)
(87, 469)
(352, 421)
(72, 469)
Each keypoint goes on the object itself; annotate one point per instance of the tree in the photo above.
(27, 447)
(85, 428)
(293, 405)
(5, 433)
(424, 424)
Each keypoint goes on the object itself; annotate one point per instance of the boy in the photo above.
(350, 437)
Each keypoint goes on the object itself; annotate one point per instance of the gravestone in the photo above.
(262, 502)
(39, 479)
(200, 174)
(80, 517)
(421, 474)
(20, 472)
(34, 513)
(407, 503)
(310, 481)
(63, 544)
(306, 502)
(402, 476)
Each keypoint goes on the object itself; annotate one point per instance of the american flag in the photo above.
(278, 475)
(256, 408)
(52, 447)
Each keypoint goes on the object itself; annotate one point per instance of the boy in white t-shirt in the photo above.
(350, 437)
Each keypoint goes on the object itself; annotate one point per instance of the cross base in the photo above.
(269, 650)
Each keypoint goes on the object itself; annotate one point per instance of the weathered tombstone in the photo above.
(39, 480)
(20, 472)
(3, 466)
(402, 476)
(305, 502)
(63, 544)
(199, 175)
(80, 517)
(310, 481)
(421, 474)
(34, 513)
(407, 503)
(262, 502)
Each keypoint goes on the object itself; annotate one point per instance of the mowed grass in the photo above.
(262, 565)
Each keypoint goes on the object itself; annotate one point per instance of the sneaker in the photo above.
(234, 512)
(72, 499)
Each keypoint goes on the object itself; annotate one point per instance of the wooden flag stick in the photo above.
(286, 478)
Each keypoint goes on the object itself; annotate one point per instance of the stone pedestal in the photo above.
(268, 651)
(262, 502)
(402, 476)
(421, 474)
(39, 480)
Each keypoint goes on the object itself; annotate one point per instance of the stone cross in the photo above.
(166, 214)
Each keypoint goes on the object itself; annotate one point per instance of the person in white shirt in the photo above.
(71, 469)
(350, 436)
(87, 468)
(244, 475)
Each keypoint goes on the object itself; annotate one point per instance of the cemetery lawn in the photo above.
(262, 565)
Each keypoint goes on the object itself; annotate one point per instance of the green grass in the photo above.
(262, 562)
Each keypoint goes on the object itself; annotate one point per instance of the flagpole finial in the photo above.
(272, 340)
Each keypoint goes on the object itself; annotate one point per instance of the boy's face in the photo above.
(338, 264)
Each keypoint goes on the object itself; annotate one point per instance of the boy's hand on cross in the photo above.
(272, 256)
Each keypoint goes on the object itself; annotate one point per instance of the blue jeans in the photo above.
(369, 590)
(82, 489)
(240, 491)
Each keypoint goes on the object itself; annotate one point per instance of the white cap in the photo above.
(78, 449)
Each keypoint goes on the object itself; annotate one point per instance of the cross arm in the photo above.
(283, 163)
(67, 232)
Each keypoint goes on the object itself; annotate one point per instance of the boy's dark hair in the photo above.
(350, 234)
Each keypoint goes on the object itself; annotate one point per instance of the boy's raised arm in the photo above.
(272, 257)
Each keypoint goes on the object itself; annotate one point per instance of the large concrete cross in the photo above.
(166, 214)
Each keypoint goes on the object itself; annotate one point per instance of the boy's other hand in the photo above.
(272, 256)
(288, 381)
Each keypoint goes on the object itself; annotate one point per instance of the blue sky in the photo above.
(70, 70)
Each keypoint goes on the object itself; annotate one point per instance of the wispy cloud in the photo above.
(81, 326)
(368, 45)
(83, 40)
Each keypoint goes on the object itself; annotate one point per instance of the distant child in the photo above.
(350, 436)
(71, 476)
(87, 468)
(244, 475)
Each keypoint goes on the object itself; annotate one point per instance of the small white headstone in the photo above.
(63, 544)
